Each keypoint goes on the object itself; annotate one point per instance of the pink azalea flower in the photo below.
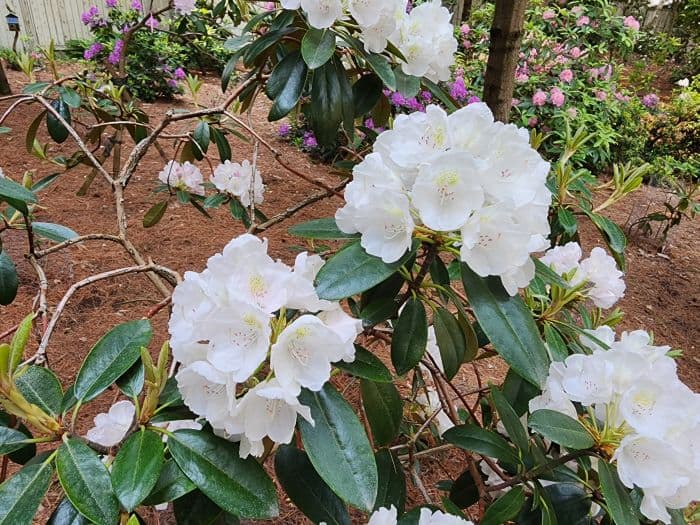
(566, 76)
(557, 97)
(539, 98)
(631, 22)
(583, 21)
(575, 52)
(548, 14)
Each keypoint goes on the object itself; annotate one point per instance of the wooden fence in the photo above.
(43, 20)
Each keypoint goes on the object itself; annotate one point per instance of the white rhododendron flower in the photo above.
(239, 180)
(384, 516)
(251, 332)
(185, 177)
(648, 417)
(184, 7)
(465, 175)
(111, 427)
(603, 281)
(322, 14)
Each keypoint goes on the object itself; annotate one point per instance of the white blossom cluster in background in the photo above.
(184, 7)
(384, 516)
(231, 178)
(247, 315)
(425, 36)
(462, 173)
(603, 281)
(653, 418)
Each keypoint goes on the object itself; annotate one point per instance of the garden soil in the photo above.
(662, 288)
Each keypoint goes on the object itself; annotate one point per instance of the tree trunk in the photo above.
(4, 84)
(463, 10)
(506, 34)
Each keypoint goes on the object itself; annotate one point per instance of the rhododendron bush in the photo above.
(457, 241)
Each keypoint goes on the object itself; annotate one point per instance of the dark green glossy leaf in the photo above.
(9, 189)
(464, 492)
(171, 485)
(21, 494)
(485, 442)
(561, 429)
(326, 108)
(384, 410)
(9, 283)
(518, 392)
(45, 182)
(70, 96)
(367, 366)
(57, 131)
(202, 136)
(66, 514)
(407, 85)
(55, 232)
(382, 68)
(613, 235)
(306, 489)
(567, 220)
(137, 467)
(131, 383)
(11, 440)
(239, 486)
(514, 427)
(41, 387)
(450, 340)
(509, 325)
(555, 343)
(391, 481)
(320, 229)
(111, 357)
(317, 47)
(195, 508)
(286, 85)
(548, 275)
(568, 503)
(338, 447)
(504, 508)
(86, 482)
(366, 93)
(222, 144)
(410, 336)
(617, 497)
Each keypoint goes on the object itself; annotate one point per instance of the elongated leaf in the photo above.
(70, 96)
(561, 429)
(171, 485)
(136, 468)
(21, 495)
(366, 93)
(548, 275)
(567, 503)
(617, 497)
(464, 492)
(286, 85)
(66, 514)
(55, 232)
(155, 214)
(317, 47)
(555, 343)
(613, 235)
(407, 85)
(9, 189)
(41, 387)
(22, 454)
(11, 440)
(367, 366)
(567, 220)
(202, 136)
(111, 357)
(338, 447)
(392, 481)
(504, 508)
(382, 68)
(239, 486)
(511, 421)
(384, 410)
(326, 104)
(131, 383)
(509, 326)
(485, 442)
(410, 337)
(195, 508)
(57, 130)
(45, 182)
(352, 270)
(222, 144)
(306, 489)
(9, 283)
(85, 480)
(320, 229)
(450, 340)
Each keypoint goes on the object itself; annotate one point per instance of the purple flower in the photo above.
(136, 4)
(116, 55)
(284, 130)
(92, 51)
(397, 99)
(310, 141)
(369, 123)
(651, 100)
(88, 17)
(473, 100)
(414, 105)
(426, 95)
(111, 3)
(172, 83)
(180, 74)
(458, 89)
(152, 23)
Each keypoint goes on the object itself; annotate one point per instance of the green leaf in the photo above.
(137, 467)
(66, 514)
(367, 366)
(24, 453)
(286, 85)
(464, 492)
(202, 136)
(306, 489)
(617, 497)
(567, 220)
(111, 357)
(222, 144)
(326, 108)
(366, 93)
(485, 442)
(55, 232)
(352, 270)
(195, 508)
(41, 387)
(171, 485)
(407, 85)
(239, 486)
(548, 275)
(569, 504)
(555, 343)
(45, 182)
(561, 429)
(391, 481)
(15, 193)
(509, 325)
(384, 410)
(19, 341)
(450, 341)
(504, 508)
(86, 482)
(11, 440)
(9, 283)
(70, 96)
(320, 229)
(317, 47)
(380, 65)
(613, 235)
(338, 447)
(410, 337)
(514, 427)
(57, 131)
(131, 383)
(21, 495)
(518, 392)
(155, 214)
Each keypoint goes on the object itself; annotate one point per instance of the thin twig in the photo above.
(76, 240)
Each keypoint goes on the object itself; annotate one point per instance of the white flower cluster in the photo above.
(462, 172)
(233, 322)
(598, 271)
(185, 177)
(239, 180)
(184, 7)
(384, 516)
(111, 427)
(425, 36)
(652, 417)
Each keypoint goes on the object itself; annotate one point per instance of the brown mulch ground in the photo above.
(662, 291)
